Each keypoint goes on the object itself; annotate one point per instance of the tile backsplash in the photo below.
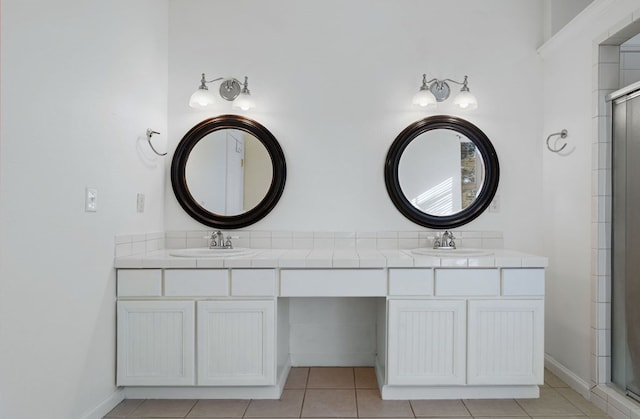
(133, 244)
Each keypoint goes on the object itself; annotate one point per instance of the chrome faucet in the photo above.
(445, 241)
(217, 241)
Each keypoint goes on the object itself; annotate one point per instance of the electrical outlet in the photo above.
(91, 199)
(140, 202)
(495, 204)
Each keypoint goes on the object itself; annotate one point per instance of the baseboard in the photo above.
(333, 360)
(105, 406)
(566, 375)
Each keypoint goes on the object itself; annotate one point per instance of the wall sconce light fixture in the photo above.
(230, 89)
(434, 91)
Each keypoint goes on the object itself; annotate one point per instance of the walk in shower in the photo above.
(625, 329)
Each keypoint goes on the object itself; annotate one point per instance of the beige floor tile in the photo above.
(331, 378)
(329, 403)
(494, 407)
(219, 409)
(550, 403)
(365, 378)
(124, 408)
(288, 406)
(552, 380)
(584, 405)
(370, 405)
(297, 378)
(163, 409)
(439, 408)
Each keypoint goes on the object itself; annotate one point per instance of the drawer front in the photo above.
(196, 282)
(333, 283)
(139, 283)
(467, 282)
(410, 281)
(523, 282)
(253, 282)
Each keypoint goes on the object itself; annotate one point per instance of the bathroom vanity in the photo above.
(447, 327)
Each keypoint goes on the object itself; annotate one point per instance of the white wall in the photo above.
(568, 63)
(334, 82)
(557, 13)
(81, 82)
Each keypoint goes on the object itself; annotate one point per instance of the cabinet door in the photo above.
(426, 342)
(236, 343)
(155, 343)
(506, 342)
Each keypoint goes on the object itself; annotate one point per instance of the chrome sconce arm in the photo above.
(231, 89)
(437, 90)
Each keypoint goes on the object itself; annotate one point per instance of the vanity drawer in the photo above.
(139, 283)
(467, 282)
(253, 282)
(522, 282)
(333, 283)
(410, 281)
(196, 282)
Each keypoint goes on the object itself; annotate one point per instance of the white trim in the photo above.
(105, 406)
(459, 392)
(566, 375)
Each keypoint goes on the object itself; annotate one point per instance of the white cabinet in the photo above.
(236, 343)
(427, 342)
(506, 342)
(180, 327)
(156, 343)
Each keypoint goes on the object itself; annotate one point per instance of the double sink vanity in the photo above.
(218, 323)
(454, 325)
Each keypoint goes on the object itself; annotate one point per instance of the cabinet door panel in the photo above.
(156, 343)
(506, 342)
(426, 342)
(236, 343)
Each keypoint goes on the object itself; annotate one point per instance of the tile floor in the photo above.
(353, 393)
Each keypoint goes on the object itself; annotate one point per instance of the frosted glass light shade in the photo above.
(201, 98)
(424, 99)
(465, 100)
(244, 102)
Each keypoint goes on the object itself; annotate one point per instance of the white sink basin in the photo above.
(461, 253)
(205, 252)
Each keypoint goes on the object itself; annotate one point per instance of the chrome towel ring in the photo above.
(563, 134)
(150, 133)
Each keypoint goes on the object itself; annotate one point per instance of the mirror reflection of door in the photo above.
(441, 172)
(228, 172)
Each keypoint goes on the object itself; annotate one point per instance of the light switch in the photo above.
(495, 204)
(91, 200)
(140, 202)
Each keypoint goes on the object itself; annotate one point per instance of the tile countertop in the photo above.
(332, 258)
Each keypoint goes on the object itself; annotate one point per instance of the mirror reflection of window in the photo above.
(441, 172)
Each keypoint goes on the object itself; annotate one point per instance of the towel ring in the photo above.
(150, 133)
(563, 134)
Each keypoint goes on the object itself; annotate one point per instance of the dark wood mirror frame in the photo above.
(484, 146)
(179, 163)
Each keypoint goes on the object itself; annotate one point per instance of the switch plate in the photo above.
(140, 202)
(90, 199)
(495, 204)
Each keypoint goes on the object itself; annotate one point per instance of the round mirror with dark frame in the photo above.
(228, 172)
(441, 172)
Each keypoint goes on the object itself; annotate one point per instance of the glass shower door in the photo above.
(626, 244)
